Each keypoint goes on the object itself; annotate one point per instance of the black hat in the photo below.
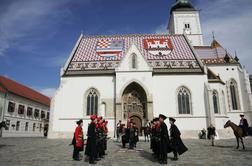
(79, 122)
(155, 119)
(172, 119)
(162, 116)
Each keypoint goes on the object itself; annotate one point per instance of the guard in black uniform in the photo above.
(131, 136)
(244, 125)
(177, 145)
(136, 135)
(164, 139)
(91, 140)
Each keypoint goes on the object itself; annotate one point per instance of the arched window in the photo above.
(216, 102)
(234, 95)
(133, 61)
(184, 101)
(92, 102)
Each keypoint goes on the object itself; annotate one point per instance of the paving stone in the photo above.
(43, 152)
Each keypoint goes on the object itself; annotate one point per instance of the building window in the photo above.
(26, 126)
(7, 122)
(34, 127)
(216, 102)
(133, 61)
(40, 127)
(36, 113)
(17, 125)
(29, 111)
(21, 109)
(187, 26)
(47, 115)
(92, 102)
(11, 107)
(234, 95)
(42, 114)
(184, 101)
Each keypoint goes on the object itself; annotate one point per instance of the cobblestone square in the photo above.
(40, 151)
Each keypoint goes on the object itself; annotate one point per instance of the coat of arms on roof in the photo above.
(159, 47)
(109, 47)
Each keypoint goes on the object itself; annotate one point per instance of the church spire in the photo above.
(185, 19)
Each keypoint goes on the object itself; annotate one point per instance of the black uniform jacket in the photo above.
(164, 138)
(176, 142)
(91, 140)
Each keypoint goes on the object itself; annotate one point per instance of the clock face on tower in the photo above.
(187, 31)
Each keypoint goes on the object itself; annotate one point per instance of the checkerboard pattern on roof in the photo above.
(86, 51)
(208, 53)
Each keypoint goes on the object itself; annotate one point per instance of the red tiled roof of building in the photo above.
(2, 89)
(9, 85)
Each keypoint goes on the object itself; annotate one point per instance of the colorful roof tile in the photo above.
(8, 85)
(214, 54)
(86, 56)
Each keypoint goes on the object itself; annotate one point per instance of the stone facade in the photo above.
(191, 84)
(21, 124)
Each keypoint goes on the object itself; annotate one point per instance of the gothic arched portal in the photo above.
(134, 101)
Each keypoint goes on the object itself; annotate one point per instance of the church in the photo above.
(140, 76)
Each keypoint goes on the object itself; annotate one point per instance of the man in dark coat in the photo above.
(244, 125)
(131, 136)
(91, 140)
(125, 137)
(164, 139)
(177, 145)
(211, 133)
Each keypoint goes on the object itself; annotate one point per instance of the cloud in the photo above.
(161, 29)
(24, 22)
(231, 22)
(48, 92)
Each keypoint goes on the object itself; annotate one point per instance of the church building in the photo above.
(143, 75)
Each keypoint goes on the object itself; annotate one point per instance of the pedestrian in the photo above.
(118, 130)
(211, 133)
(177, 144)
(91, 140)
(136, 137)
(78, 141)
(131, 136)
(164, 139)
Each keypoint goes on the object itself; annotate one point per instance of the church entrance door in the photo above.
(135, 105)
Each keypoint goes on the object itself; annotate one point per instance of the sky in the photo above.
(37, 36)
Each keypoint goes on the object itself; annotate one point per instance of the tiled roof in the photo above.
(21, 90)
(85, 55)
(2, 89)
(213, 54)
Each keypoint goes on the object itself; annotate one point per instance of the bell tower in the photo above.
(184, 19)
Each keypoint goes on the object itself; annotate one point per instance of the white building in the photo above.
(144, 75)
(25, 111)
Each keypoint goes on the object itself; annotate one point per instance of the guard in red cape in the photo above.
(78, 142)
(91, 140)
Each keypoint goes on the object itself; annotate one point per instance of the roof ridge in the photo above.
(129, 35)
(20, 85)
(40, 98)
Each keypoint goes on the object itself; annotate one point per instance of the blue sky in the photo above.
(37, 36)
